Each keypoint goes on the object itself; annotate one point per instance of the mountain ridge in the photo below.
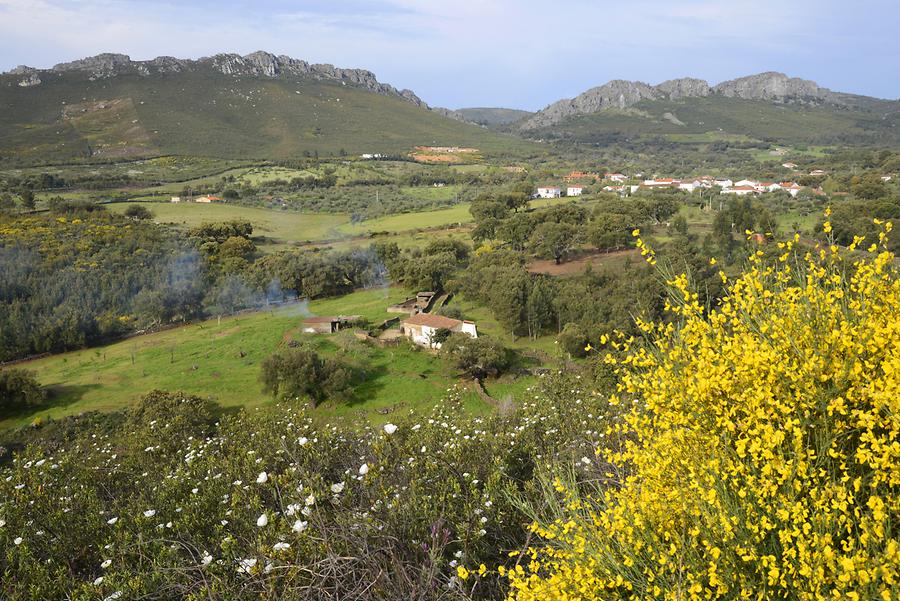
(256, 64)
(621, 94)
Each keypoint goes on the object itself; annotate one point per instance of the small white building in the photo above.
(549, 192)
(574, 190)
(175, 199)
(724, 182)
(690, 185)
(615, 177)
(741, 190)
(789, 165)
(745, 182)
(792, 188)
(422, 327)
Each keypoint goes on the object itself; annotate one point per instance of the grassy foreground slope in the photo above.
(209, 114)
(220, 360)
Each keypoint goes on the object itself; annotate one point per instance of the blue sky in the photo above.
(515, 53)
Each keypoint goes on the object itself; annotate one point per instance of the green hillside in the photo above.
(206, 113)
(720, 117)
(493, 116)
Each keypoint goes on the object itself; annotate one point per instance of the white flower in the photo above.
(291, 509)
(262, 478)
(207, 559)
(299, 526)
(262, 520)
(302, 440)
(337, 487)
(310, 500)
(280, 546)
(2, 523)
(17, 541)
(114, 596)
(364, 469)
(307, 511)
(194, 491)
(106, 563)
(224, 522)
(98, 581)
(245, 565)
(149, 513)
(112, 521)
(390, 429)
(585, 460)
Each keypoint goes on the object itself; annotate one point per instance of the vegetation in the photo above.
(19, 390)
(300, 373)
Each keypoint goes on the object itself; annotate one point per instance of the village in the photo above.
(577, 183)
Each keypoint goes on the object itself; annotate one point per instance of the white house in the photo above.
(615, 177)
(724, 182)
(745, 182)
(741, 190)
(549, 192)
(175, 199)
(690, 185)
(792, 188)
(574, 190)
(422, 327)
(666, 182)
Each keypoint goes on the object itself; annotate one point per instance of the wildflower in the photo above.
(149, 513)
(98, 581)
(245, 565)
(337, 487)
(462, 572)
(106, 563)
(389, 429)
(310, 500)
(262, 478)
(302, 440)
(112, 521)
(207, 559)
(114, 596)
(280, 547)
(299, 526)
(262, 521)
(363, 469)
(17, 541)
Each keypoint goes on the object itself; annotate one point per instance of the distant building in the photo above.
(690, 185)
(549, 192)
(327, 325)
(745, 182)
(615, 177)
(815, 172)
(574, 190)
(886, 178)
(422, 328)
(665, 182)
(789, 165)
(175, 199)
(741, 190)
(791, 188)
(207, 198)
(415, 304)
(724, 182)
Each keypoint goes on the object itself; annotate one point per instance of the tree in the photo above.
(573, 340)
(477, 357)
(539, 312)
(297, 372)
(138, 212)
(19, 389)
(555, 240)
(27, 197)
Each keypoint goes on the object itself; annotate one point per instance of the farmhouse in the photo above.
(549, 192)
(615, 177)
(207, 198)
(690, 185)
(741, 190)
(421, 328)
(574, 190)
(175, 199)
(327, 325)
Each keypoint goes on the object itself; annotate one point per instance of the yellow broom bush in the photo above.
(762, 453)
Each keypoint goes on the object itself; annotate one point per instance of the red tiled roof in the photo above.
(432, 321)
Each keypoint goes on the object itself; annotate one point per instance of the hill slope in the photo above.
(490, 116)
(764, 106)
(226, 106)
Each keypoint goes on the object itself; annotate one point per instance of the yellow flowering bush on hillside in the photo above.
(762, 445)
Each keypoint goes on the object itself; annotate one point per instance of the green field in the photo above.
(221, 360)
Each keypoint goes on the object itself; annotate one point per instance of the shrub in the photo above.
(138, 212)
(19, 389)
(760, 456)
(477, 357)
(302, 373)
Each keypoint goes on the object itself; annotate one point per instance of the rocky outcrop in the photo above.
(686, 87)
(770, 86)
(615, 94)
(256, 64)
(774, 86)
(30, 81)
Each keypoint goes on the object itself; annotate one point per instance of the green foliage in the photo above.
(19, 389)
(138, 212)
(477, 357)
(301, 373)
(573, 340)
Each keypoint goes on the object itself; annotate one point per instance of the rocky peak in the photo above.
(102, 65)
(617, 93)
(685, 87)
(773, 86)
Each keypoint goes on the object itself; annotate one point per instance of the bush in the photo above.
(302, 373)
(138, 212)
(760, 455)
(477, 357)
(573, 340)
(19, 389)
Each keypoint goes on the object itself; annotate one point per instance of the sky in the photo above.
(463, 53)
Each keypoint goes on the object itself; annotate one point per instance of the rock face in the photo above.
(769, 86)
(686, 87)
(774, 86)
(615, 94)
(257, 64)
